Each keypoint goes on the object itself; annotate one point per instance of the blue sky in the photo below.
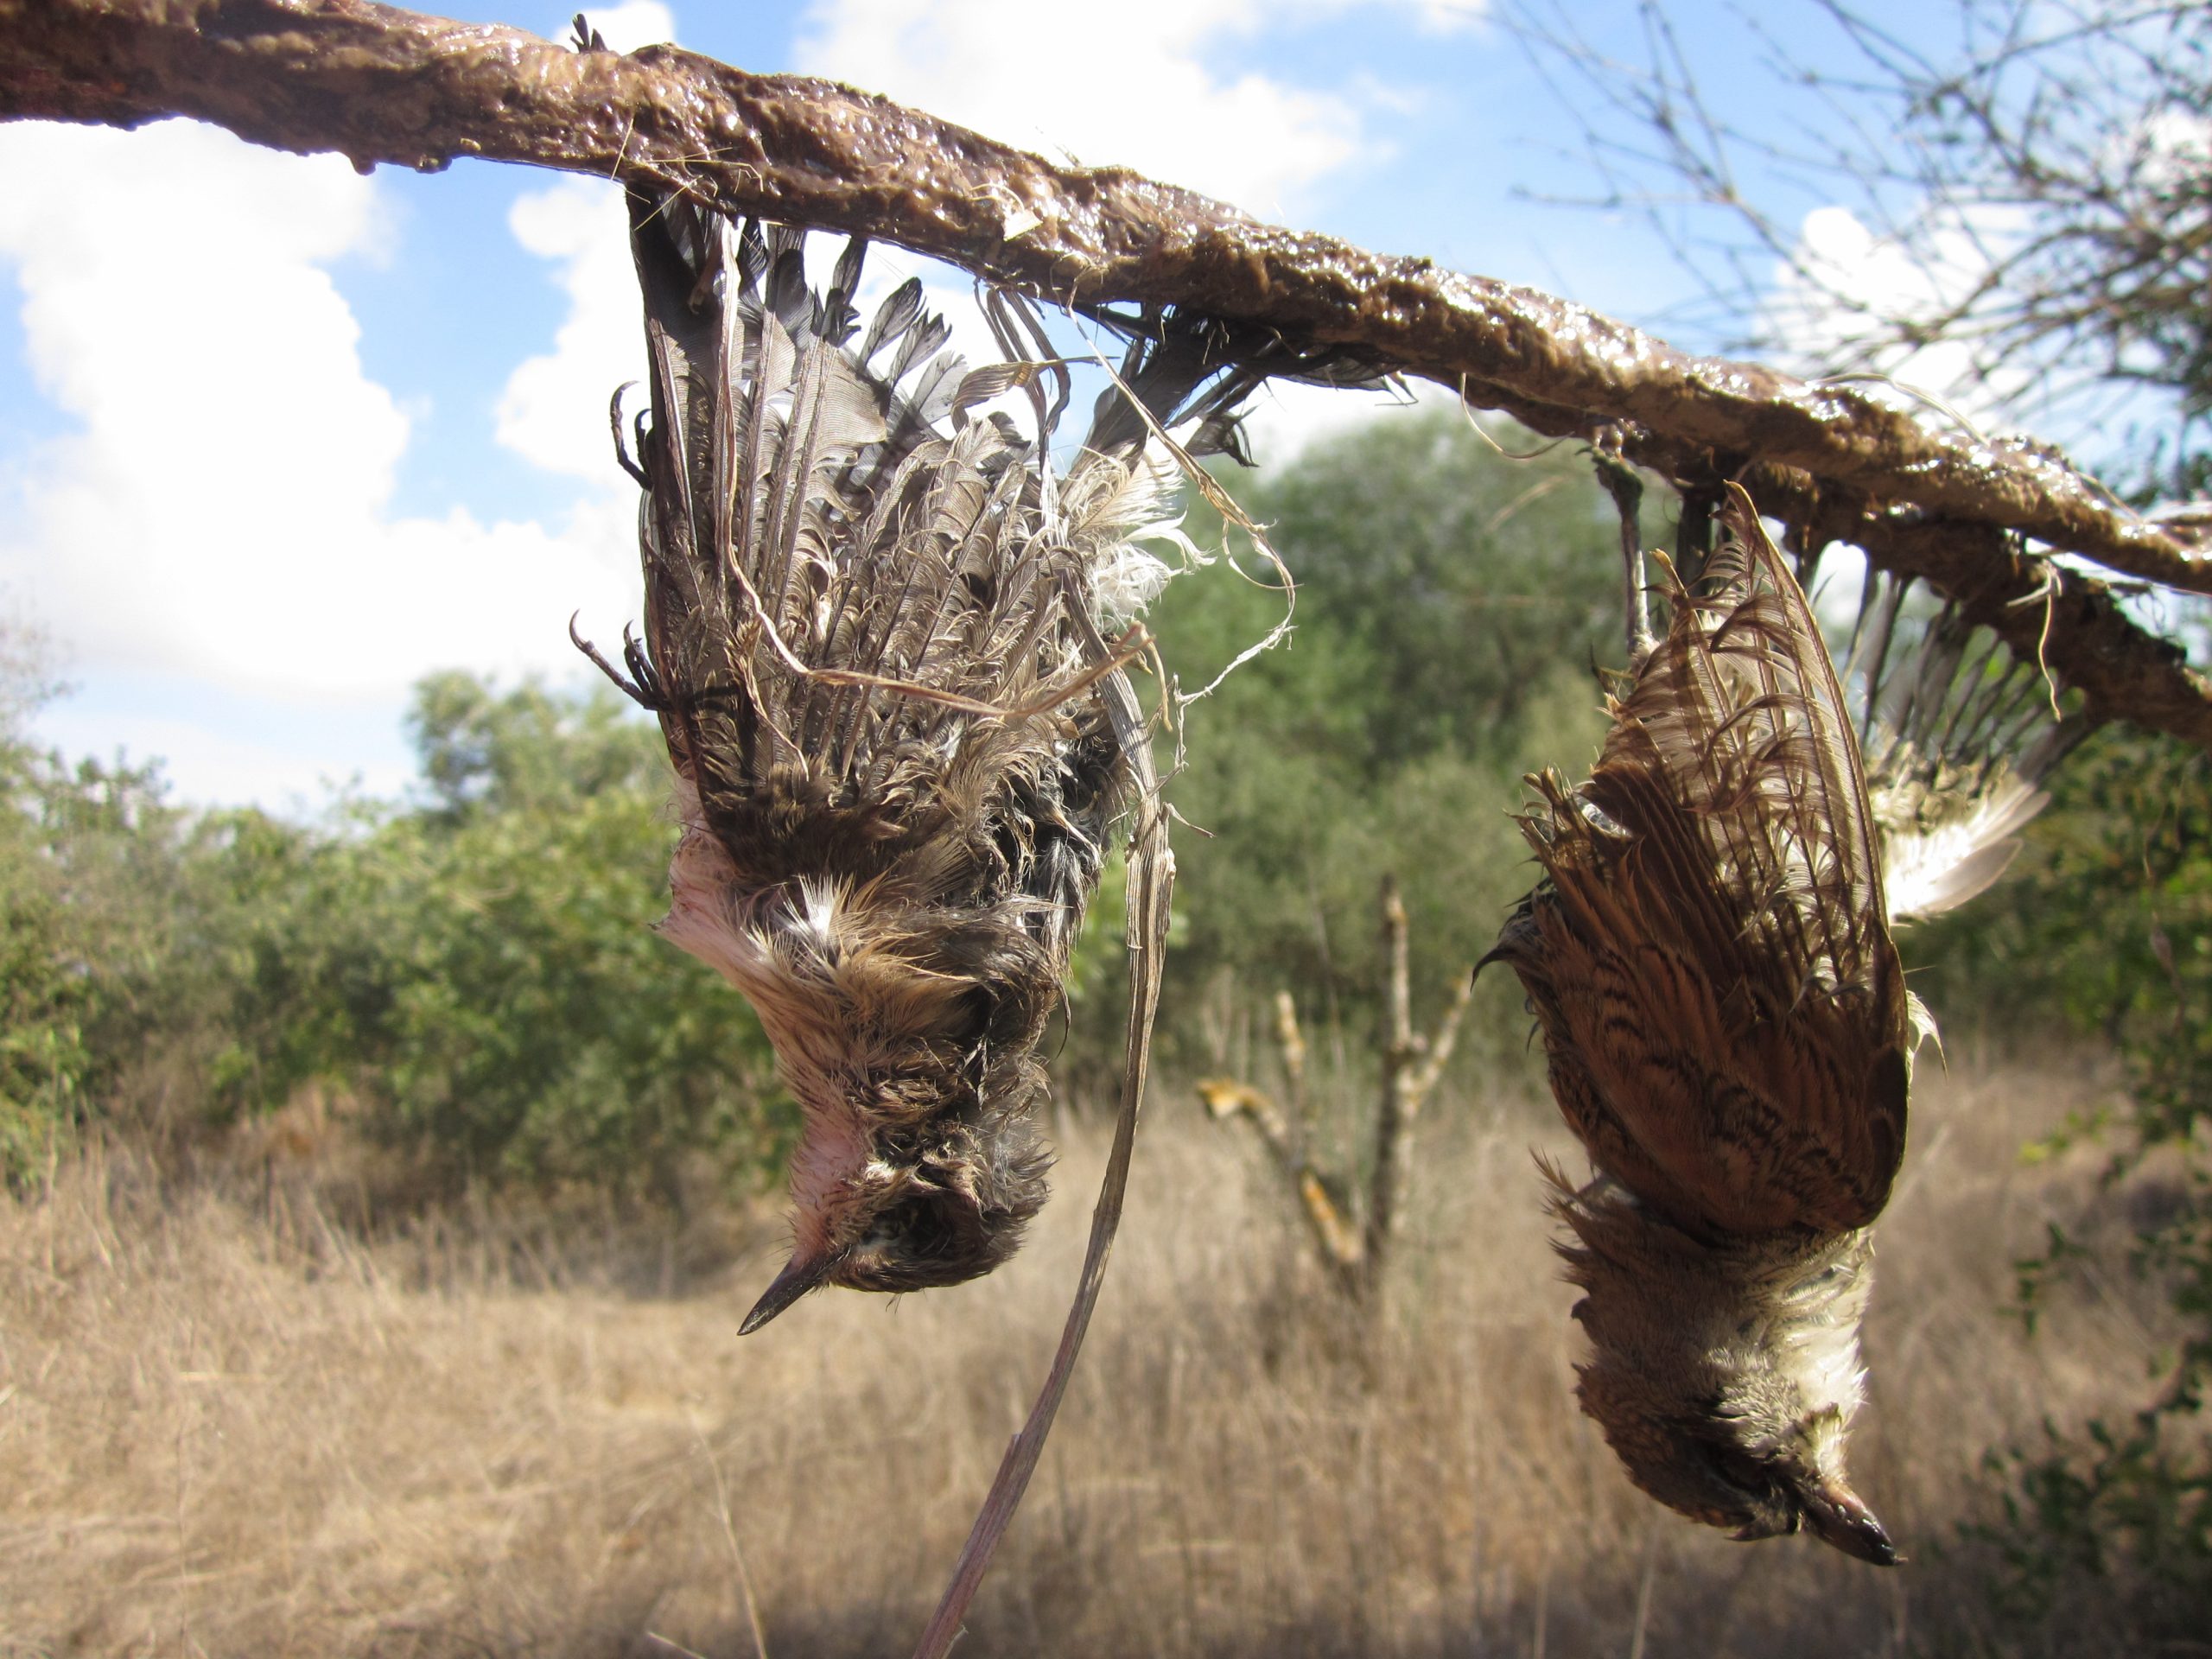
(276, 439)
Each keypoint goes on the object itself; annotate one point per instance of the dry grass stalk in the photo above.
(1151, 889)
(240, 1431)
(238, 1435)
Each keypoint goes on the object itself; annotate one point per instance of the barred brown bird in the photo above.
(875, 638)
(1729, 1034)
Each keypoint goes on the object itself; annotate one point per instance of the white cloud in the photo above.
(1130, 88)
(2171, 149)
(1844, 288)
(221, 511)
(212, 762)
(626, 27)
(554, 410)
(1449, 17)
(217, 510)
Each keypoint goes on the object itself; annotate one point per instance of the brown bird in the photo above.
(876, 634)
(1709, 961)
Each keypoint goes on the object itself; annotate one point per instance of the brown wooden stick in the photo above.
(1341, 1244)
(381, 84)
(1437, 1054)
(1412, 1065)
(1393, 1146)
(1292, 1041)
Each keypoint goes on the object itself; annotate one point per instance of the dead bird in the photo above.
(876, 627)
(1710, 962)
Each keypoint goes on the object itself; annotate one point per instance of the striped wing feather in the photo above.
(1726, 1018)
(809, 513)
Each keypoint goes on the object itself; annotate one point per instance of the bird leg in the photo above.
(1694, 534)
(1619, 478)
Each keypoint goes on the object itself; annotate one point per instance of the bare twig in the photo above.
(1292, 1043)
(1437, 1052)
(2031, 172)
(1412, 1065)
(385, 85)
(1393, 1146)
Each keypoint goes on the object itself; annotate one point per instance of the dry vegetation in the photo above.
(229, 1426)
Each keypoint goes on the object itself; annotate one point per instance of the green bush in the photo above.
(45, 995)
(476, 971)
(2109, 924)
(82, 877)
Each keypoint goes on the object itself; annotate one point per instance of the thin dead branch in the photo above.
(1340, 1241)
(383, 85)
(2031, 168)
(1291, 1041)
(1357, 1255)
(1411, 1065)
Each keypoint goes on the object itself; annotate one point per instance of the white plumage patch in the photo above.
(1818, 1345)
(1939, 851)
(1125, 507)
(819, 898)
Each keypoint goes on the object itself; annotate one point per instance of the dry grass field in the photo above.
(229, 1426)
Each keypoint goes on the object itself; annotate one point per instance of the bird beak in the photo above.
(800, 1274)
(1836, 1517)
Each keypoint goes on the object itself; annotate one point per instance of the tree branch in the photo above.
(1394, 1110)
(381, 84)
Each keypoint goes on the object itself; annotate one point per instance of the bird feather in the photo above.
(1708, 957)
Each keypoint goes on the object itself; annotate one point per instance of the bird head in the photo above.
(1726, 1377)
(1759, 1463)
(951, 1214)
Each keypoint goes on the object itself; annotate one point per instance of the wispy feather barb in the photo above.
(1959, 736)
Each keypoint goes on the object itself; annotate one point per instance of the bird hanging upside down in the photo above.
(1709, 960)
(877, 639)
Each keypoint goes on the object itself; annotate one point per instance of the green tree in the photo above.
(477, 972)
(1450, 603)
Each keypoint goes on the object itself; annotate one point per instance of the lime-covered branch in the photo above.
(383, 85)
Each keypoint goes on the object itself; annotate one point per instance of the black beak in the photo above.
(800, 1274)
(1834, 1516)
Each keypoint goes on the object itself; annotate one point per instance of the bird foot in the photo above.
(641, 685)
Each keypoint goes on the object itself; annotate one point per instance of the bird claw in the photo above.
(644, 688)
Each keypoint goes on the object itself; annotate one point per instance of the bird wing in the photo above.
(1959, 733)
(1726, 1016)
(1959, 736)
(841, 587)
